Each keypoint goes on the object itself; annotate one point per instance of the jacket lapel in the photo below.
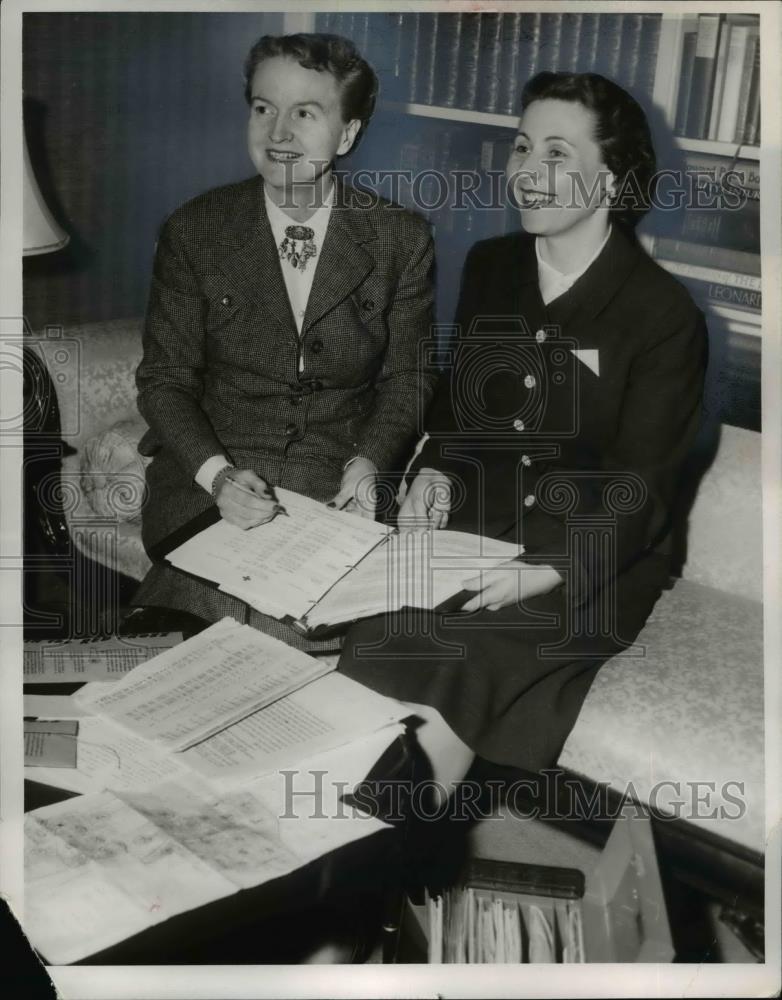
(600, 283)
(252, 260)
(342, 263)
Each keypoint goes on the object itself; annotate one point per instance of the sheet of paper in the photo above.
(330, 712)
(51, 706)
(234, 833)
(50, 744)
(112, 868)
(413, 569)
(74, 660)
(204, 685)
(285, 566)
(110, 758)
(307, 799)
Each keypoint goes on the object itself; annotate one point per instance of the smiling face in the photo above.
(556, 172)
(295, 129)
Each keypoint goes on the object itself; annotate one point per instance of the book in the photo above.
(752, 124)
(707, 292)
(630, 50)
(719, 81)
(323, 567)
(74, 661)
(685, 82)
(531, 53)
(469, 59)
(751, 55)
(448, 60)
(510, 68)
(550, 42)
(645, 66)
(707, 255)
(590, 39)
(570, 41)
(427, 48)
(734, 72)
(413, 45)
(490, 58)
(706, 46)
(609, 49)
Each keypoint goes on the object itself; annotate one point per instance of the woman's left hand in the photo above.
(510, 583)
(357, 491)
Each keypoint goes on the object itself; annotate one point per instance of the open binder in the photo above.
(320, 568)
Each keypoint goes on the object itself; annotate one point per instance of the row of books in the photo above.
(713, 244)
(719, 84)
(481, 61)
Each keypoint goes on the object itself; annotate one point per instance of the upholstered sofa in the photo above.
(684, 705)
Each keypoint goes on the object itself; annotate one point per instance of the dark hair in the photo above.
(324, 53)
(621, 132)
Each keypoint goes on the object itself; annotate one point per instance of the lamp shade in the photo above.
(41, 232)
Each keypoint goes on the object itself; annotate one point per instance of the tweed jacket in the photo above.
(565, 427)
(225, 369)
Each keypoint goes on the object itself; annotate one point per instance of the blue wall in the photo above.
(127, 116)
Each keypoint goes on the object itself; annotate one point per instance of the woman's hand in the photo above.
(357, 493)
(428, 502)
(510, 583)
(244, 499)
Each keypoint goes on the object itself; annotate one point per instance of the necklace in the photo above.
(297, 254)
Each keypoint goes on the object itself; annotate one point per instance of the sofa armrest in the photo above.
(93, 369)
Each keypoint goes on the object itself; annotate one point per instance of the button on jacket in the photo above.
(225, 369)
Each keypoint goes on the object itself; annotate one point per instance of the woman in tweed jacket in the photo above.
(265, 365)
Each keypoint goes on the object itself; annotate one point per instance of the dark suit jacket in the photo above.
(542, 448)
(221, 349)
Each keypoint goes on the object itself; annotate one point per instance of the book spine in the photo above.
(550, 42)
(705, 255)
(467, 90)
(396, 88)
(491, 35)
(697, 272)
(531, 35)
(719, 81)
(706, 46)
(510, 69)
(753, 105)
(726, 128)
(414, 65)
(451, 46)
(429, 28)
(571, 37)
(751, 53)
(685, 82)
(610, 44)
(590, 36)
(714, 293)
(630, 50)
(647, 63)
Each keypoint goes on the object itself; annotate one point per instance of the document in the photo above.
(76, 660)
(204, 685)
(110, 758)
(420, 569)
(50, 744)
(98, 871)
(286, 565)
(328, 713)
(51, 706)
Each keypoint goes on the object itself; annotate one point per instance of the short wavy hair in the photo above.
(326, 54)
(621, 131)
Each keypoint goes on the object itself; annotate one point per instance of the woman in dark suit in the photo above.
(282, 332)
(568, 406)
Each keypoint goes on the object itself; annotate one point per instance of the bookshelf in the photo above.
(438, 112)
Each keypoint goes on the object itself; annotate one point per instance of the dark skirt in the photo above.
(510, 683)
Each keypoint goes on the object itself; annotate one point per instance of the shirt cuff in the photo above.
(206, 474)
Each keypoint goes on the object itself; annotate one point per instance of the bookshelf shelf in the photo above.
(462, 115)
(718, 148)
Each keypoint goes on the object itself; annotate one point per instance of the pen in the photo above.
(278, 507)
